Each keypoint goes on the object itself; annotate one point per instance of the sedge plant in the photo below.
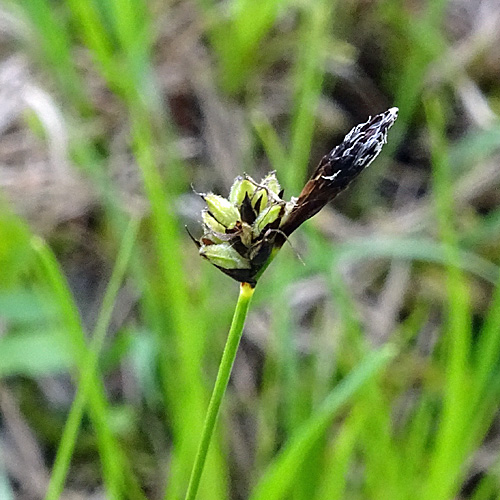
(243, 233)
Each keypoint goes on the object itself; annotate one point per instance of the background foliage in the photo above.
(371, 372)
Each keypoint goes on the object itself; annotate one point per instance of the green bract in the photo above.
(266, 216)
(224, 255)
(211, 223)
(222, 210)
(240, 188)
(271, 182)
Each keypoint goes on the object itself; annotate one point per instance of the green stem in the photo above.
(88, 369)
(225, 367)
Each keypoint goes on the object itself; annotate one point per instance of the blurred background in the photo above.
(370, 372)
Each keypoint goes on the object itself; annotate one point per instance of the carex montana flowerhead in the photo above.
(242, 233)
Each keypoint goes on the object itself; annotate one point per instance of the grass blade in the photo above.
(88, 366)
(281, 474)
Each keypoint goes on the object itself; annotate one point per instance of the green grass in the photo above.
(327, 412)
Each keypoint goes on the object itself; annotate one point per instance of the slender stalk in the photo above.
(225, 367)
(89, 365)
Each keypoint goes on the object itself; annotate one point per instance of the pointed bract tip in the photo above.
(394, 111)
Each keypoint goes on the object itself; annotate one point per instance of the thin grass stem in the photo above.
(87, 374)
(225, 367)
